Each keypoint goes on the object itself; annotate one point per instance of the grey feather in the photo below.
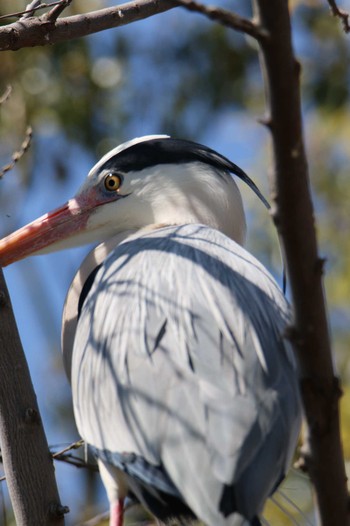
(179, 358)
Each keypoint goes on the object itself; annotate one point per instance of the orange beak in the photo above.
(45, 231)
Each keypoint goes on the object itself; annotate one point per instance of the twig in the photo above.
(19, 154)
(77, 462)
(226, 18)
(70, 459)
(31, 7)
(6, 94)
(55, 12)
(74, 445)
(29, 11)
(340, 13)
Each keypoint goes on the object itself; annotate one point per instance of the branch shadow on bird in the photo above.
(181, 373)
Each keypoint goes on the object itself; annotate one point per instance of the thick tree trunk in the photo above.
(27, 461)
(294, 218)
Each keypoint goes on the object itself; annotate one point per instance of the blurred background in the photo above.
(179, 74)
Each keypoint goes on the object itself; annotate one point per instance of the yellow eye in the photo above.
(113, 182)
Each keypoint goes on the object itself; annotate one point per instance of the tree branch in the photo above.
(30, 10)
(226, 18)
(343, 15)
(38, 31)
(57, 10)
(27, 462)
(294, 217)
(77, 462)
(73, 445)
(5, 96)
(16, 156)
(47, 29)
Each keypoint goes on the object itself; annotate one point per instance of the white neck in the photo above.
(70, 310)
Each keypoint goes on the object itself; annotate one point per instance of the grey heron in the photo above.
(173, 334)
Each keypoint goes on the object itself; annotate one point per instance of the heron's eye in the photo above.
(113, 182)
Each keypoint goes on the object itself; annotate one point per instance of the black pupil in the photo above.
(112, 182)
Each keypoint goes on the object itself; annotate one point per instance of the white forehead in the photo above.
(124, 146)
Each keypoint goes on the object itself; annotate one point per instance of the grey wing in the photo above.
(179, 358)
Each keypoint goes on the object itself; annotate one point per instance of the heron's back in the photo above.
(179, 360)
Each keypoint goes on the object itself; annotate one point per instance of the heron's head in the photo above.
(153, 180)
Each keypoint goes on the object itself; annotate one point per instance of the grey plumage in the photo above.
(183, 384)
(185, 366)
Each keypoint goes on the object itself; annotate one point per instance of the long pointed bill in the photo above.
(46, 231)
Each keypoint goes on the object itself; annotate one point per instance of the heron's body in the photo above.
(177, 382)
(173, 336)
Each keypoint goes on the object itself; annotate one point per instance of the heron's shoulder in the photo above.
(196, 249)
(196, 240)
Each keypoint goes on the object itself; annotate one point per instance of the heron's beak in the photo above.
(46, 231)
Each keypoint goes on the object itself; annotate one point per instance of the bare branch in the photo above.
(77, 462)
(30, 10)
(37, 31)
(57, 10)
(340, 13)
(47, 29)
(6, 94)
(70, 459)
(16, 156)
(74, 445)
(226, 18)
(19, 154)
(294, 218)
